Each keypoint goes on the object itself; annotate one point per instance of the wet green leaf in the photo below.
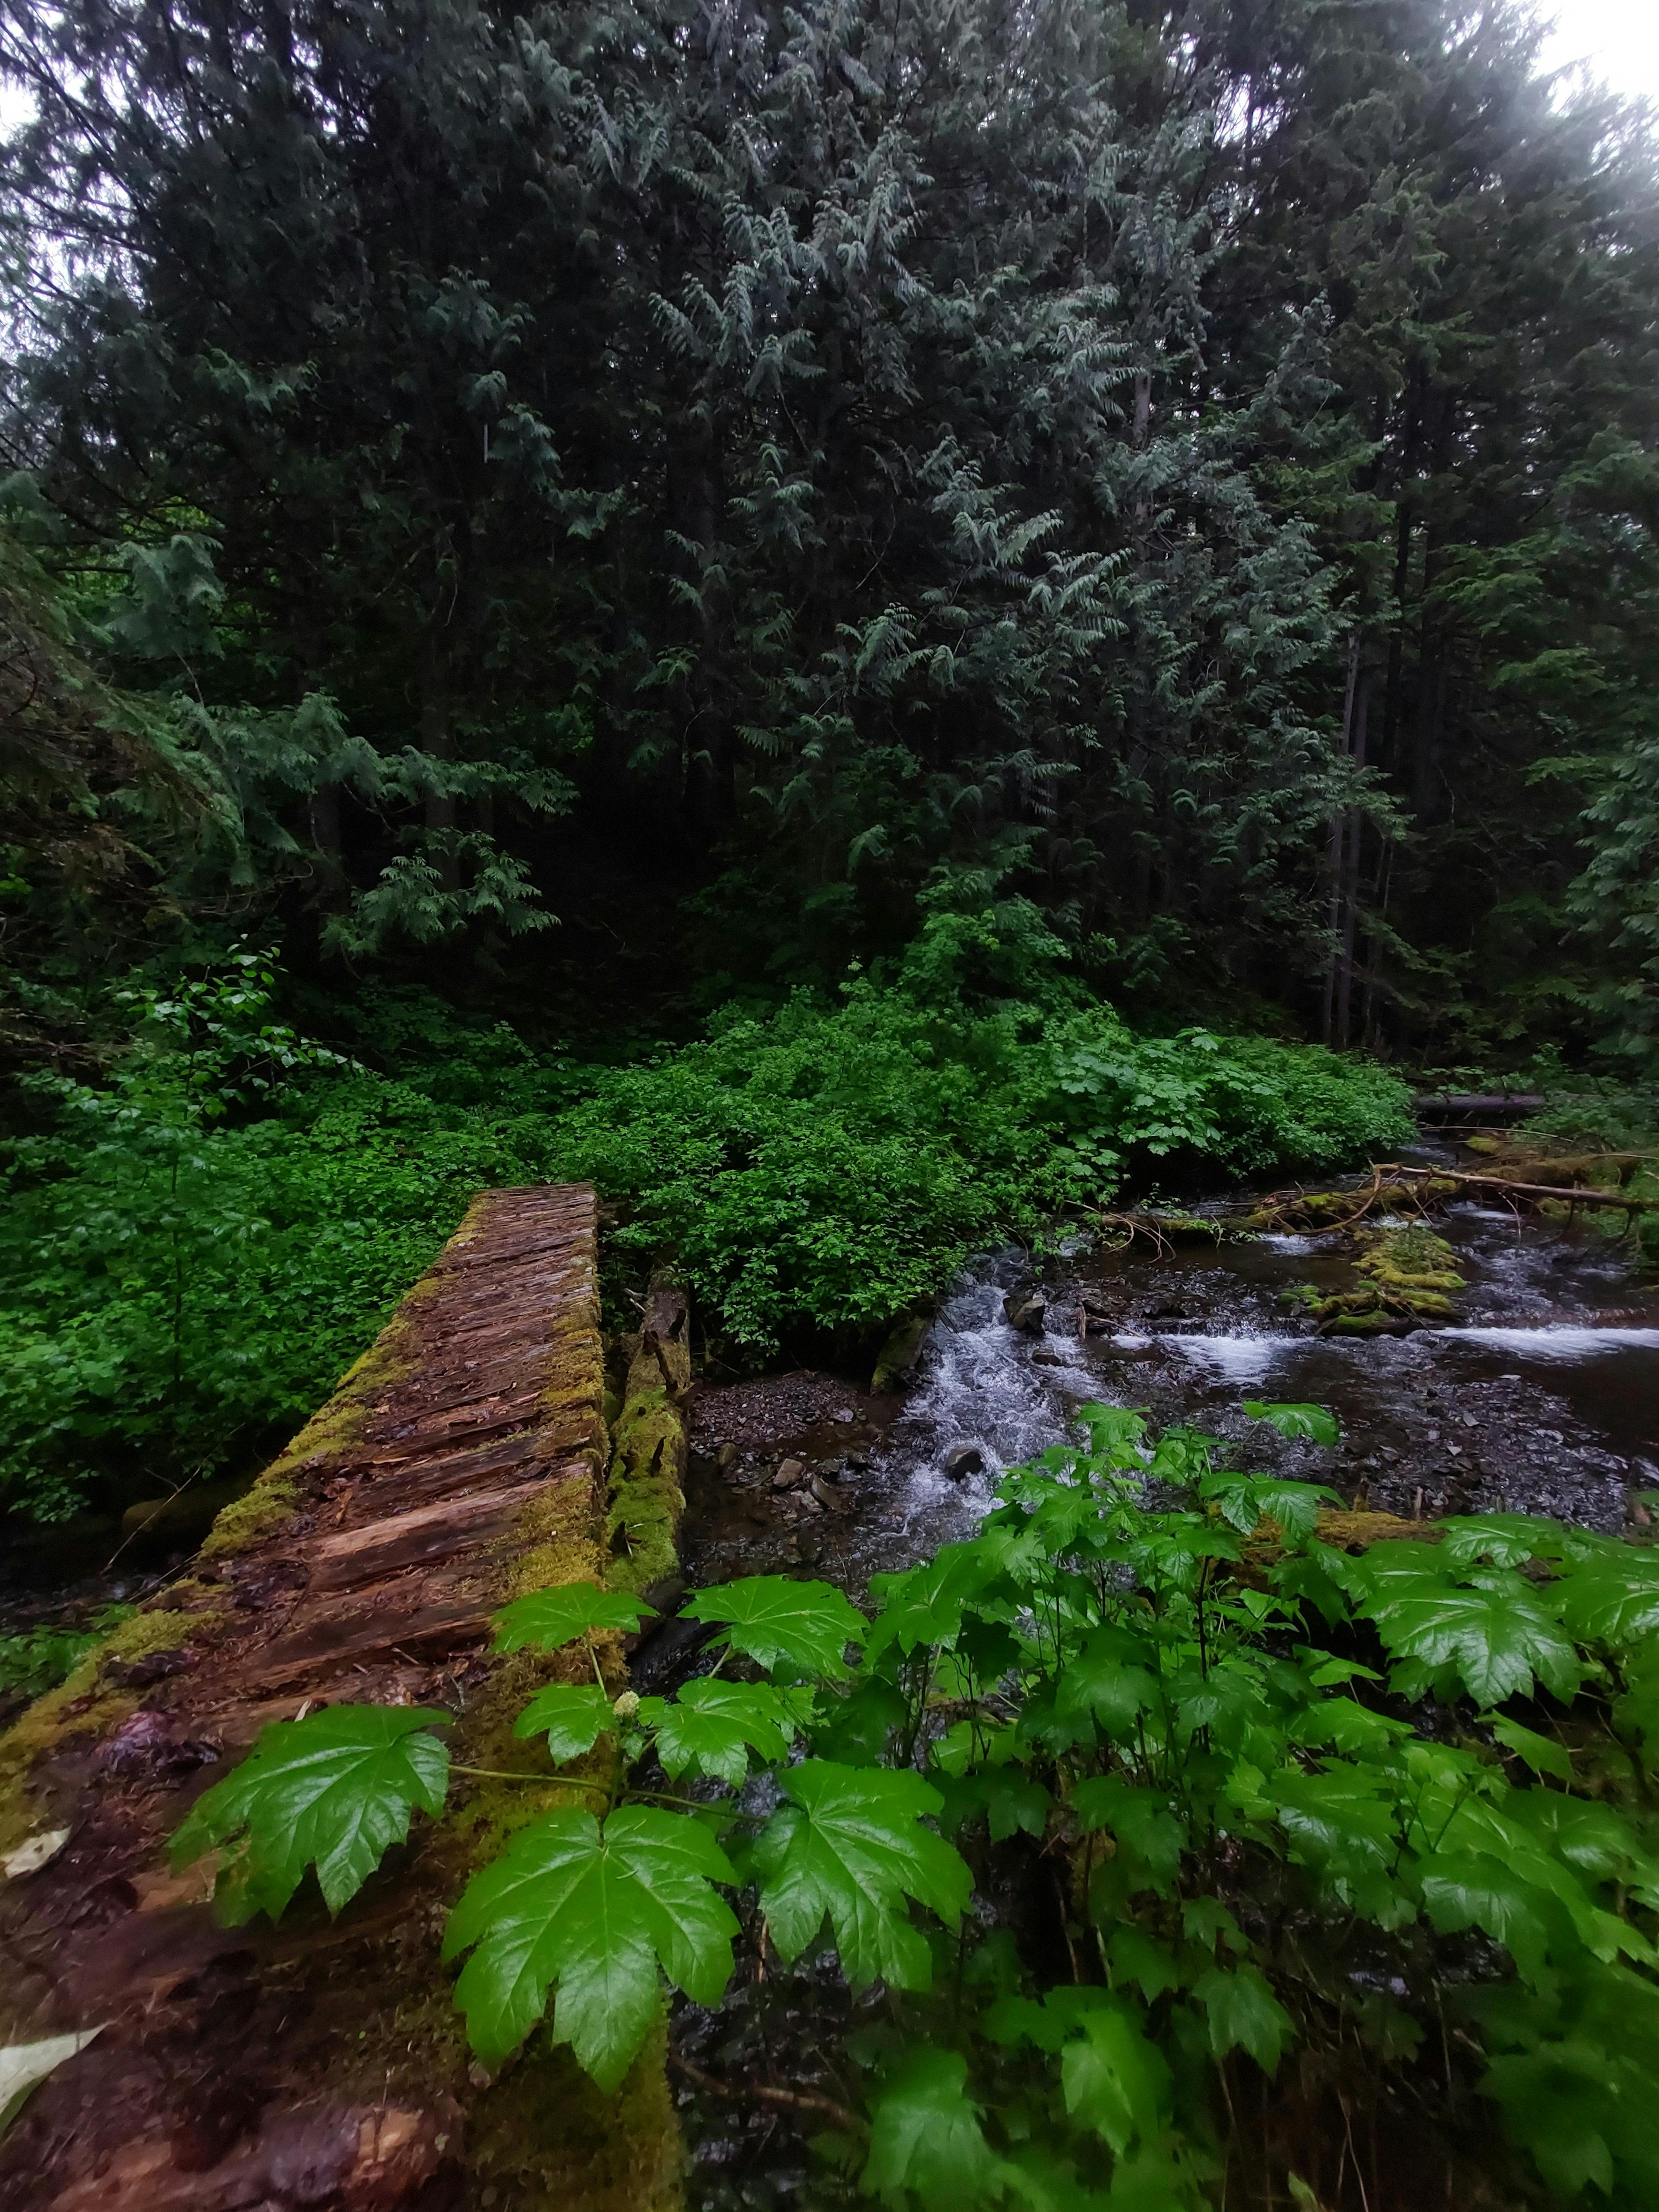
(1114, 2081)
(595, 1912)
(1148, 1833)
(548, 1619)
(1243, 2014)
(1541, 1753)
(1497, 1637)
(777, 1622)
(1317, 1424)
(849, 1843)
(712, 1727)
(572, 1716)
(1341, 1820)
(1134, 1957)
(1460, 1890)
(334, 1790)
(1612, 1596)
(925, 2136)
(1109, 1680)
(1502, 1540)
(1007, 1799)
(925, 1605)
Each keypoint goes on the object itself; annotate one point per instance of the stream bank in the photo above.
(1539, 1393)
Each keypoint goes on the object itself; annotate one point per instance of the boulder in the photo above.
(962, 1461)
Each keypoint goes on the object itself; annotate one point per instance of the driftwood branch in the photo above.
(1568, 1193)
(759, 2092)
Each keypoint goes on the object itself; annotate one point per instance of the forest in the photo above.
(880, 627)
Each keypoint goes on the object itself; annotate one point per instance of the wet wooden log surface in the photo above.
(321, 2063)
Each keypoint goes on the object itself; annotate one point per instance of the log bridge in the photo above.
(465, 1458)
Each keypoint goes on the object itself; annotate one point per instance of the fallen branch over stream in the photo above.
(1572, 1194)
(1391, 1186)
(807, 2100)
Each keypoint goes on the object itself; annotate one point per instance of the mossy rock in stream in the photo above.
(1407, 1275)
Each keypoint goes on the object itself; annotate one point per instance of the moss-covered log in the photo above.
(322, 2063)
(649, 1448)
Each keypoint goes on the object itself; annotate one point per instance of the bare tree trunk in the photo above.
(1334, 858)
(437, 730)
(1353, 835)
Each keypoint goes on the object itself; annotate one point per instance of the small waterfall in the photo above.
(985, 1386)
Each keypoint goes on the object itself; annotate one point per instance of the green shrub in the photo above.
(38, 1659)
(181, 1285)
(1378, 1829)
(197, 1250)
(824, 1169)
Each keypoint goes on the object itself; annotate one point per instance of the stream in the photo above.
(1542, 1397)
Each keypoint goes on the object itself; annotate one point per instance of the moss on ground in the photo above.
(333, 1432)
(90, 1703)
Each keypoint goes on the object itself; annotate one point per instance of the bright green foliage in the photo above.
(1315, 1422)
(711, 1728)
(1132, 1694)
(1612, 1599)
(850, 1845)
(1234, 1772)
(193, 1253)
(830, 1168)
(571, 1716)
(1484, 1628)
(1113, 2080)
(595, 1909)
(926, 2143)
(550, 1619)
(38, 1659)
(805, 1627)
(334, 1790)
(1243, 2014)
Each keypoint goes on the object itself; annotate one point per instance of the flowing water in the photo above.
(1542, 1397)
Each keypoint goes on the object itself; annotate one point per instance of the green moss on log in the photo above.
(646, 1497)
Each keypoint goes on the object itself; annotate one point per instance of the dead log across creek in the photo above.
(322, 2063)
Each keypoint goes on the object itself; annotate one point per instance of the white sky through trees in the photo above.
(1617, 40)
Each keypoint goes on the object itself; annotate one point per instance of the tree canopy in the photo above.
(1190, 464)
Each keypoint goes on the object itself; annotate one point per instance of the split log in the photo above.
(322, 2063)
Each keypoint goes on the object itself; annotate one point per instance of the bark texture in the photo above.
(321, 2063)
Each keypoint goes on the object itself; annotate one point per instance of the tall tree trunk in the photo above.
(1354, 837)
(437, 732)
(1339, 828)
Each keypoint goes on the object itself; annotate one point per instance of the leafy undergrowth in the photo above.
(36, 1660)
(1354, 1856)
(192, 1251)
